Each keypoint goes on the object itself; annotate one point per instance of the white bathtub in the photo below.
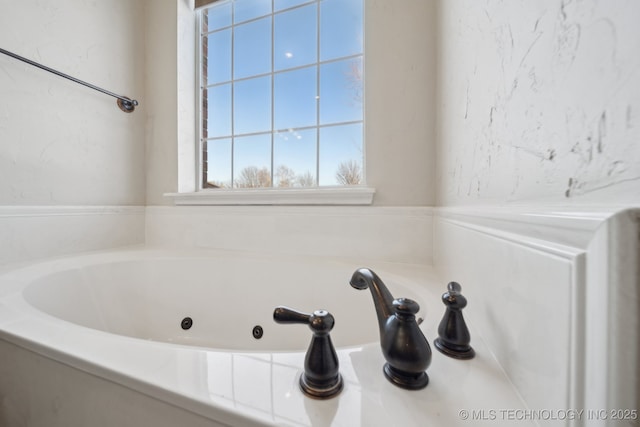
(96, 339)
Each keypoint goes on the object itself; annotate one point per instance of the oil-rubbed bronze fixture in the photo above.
(403, 344)
(321, 378)
(453, 334)
(125, 104)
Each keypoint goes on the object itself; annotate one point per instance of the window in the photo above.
(281, 90)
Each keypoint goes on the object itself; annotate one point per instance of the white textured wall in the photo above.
(539, 101)
(72, 165)
(62, 143)
(400, 107)
(161, 88)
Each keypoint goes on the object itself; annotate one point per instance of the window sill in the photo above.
(278, 196)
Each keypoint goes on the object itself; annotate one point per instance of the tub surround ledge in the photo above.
(31, 232)
(395, 234)
(547, 288)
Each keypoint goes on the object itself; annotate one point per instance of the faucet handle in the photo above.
(321, 378)
(320, 321)
(454, 287)
(453, 335)
(288, 315)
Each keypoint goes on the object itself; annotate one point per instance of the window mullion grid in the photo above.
(273, 93)
(272, 75)
(203, 58)
(362, 74)
(233, 91)
(318, 94)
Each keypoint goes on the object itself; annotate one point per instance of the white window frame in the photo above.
(317, 195)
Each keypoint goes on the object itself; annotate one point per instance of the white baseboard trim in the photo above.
(39, 210)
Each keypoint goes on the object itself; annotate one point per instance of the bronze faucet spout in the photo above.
(403, 345)
(364, 278)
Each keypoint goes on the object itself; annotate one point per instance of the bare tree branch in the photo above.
(285, 176)
(253, 177)
(306, 180)
(349, 173)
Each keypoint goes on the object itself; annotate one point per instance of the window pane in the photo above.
(218, 162)
(340, 28)
(252, 49)
(252, 105)
(282, 95)
(296, 37)
(295, 158)
(341, 91)
(249, 9)
(284, 4)
(341, 155)
(218, 109)
(219, 57)
(217, 16)
(252, 161)
(295, 98)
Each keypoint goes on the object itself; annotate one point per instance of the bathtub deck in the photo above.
(252, 388)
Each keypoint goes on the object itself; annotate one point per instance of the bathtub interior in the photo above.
(115, 316)
(225, 296)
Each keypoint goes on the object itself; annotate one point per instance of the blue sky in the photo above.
(303, 94)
